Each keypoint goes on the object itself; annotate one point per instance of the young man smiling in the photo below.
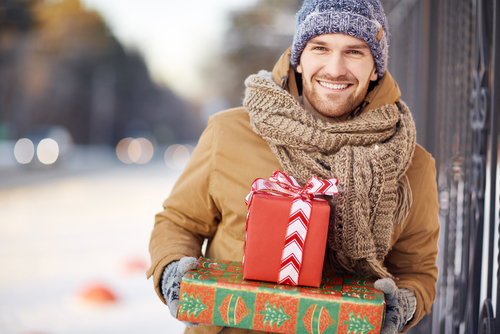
(336, 72)
(329, 108)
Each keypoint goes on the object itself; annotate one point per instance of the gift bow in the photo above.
(281, 184)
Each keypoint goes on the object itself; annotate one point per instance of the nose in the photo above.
(335, 65)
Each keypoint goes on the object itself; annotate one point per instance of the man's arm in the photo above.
(412, 259)
(189, 214)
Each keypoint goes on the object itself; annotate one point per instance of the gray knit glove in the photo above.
(171, 283)
(400, 305)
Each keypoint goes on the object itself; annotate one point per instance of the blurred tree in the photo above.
(60, 65)
(15, 15)
(255, 40)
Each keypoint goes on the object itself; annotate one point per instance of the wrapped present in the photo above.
(286, 230)
(217, 294)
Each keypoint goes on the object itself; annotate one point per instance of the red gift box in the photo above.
(267, 222)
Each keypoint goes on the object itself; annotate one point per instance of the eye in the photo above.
(320, 48)
(356, 52)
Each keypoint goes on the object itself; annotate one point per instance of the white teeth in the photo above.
(333, 86)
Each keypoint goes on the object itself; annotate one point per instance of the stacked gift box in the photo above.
(280, 287)
(217, 294)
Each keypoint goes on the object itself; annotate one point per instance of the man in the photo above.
(329, 108)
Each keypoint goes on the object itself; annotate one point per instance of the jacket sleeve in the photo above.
(412, 259)
(189, 214)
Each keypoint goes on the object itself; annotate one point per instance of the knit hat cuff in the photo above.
(319, 23)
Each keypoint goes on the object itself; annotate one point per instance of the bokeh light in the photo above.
(122, 150)
(130, 150)
(177, 156)
(24, 150)
(134, 150)
(147, 150)
(47, 151)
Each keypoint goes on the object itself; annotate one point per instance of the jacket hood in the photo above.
(386, 91)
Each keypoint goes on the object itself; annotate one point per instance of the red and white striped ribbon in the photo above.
(281, 184)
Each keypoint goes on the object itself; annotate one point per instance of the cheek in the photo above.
(308, 72)
(308, 65)
(365, 74)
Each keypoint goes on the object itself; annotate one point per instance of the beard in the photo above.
(333, 105)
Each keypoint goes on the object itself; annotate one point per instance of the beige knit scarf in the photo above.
(368, 154)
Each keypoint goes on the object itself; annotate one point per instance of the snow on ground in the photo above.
(64, 235)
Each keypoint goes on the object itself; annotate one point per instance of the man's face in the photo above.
(336, 71)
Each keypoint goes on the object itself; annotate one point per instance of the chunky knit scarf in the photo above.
(369, 154)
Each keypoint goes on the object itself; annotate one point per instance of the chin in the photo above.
(336, 110)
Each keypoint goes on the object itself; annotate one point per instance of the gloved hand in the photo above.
(400, 305)
(171, 283)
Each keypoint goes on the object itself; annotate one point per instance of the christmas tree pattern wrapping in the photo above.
(217, 294)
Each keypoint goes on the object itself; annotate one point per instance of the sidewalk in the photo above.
(63, 234)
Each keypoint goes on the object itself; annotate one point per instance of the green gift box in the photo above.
(217, 294)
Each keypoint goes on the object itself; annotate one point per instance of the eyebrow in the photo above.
(358, 46)
(312, 41)
(361, 46)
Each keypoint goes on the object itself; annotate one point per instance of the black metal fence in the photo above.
(445, 55)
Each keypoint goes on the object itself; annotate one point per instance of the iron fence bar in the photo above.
(465, 307)
(474, 286)
(493, 142)
(447, 109)
(495, 110)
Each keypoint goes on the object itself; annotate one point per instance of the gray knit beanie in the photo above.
(364, 19)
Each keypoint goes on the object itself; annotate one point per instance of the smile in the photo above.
(333, 86)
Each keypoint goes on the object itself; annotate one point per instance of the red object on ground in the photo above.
(265, 239)
(135, 266)
(98, 294)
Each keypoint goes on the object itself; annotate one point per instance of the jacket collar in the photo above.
(386, 91)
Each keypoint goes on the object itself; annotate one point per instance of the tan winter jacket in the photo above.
(208, 202)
